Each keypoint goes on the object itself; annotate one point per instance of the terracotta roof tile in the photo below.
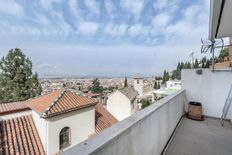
(19, 136)
(103, 118)
(12, 107)
(59, 102)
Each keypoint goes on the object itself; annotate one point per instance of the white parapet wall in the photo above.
(144, 133)
(209, 88)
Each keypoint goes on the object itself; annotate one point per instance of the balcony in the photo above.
(162, 128)
(205, 137)
(145, 132)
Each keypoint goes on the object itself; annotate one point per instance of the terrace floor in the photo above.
(202, 138)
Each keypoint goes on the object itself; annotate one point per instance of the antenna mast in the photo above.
(210, 46)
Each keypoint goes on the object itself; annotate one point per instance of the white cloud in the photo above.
(163, 4)
(42, 20)
(11, 7)
(138, 29)
(191, 12)
(115, 30)
(110, 7)
(93, 6)
(48, 4)
(161, 20)
(160, 4)
(133, 6)
(46, 66)
(190, 28)
(24, 30)
(159, 23)
(75, 9)
(88, 28)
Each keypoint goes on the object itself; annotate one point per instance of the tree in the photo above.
(96, 88)
(145, 103)
(155, 85)
(158, 85)
(165, 77)
(125, 82)
(158, 78)
(17, 82)
(196, 64)
(174, 74)
(224, 53)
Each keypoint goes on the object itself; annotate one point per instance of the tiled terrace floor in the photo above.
(202, 138)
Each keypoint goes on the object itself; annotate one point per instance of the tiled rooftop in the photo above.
(103, 118)
(59, 102)
(6, 108)
(20, 136)
(130, 92)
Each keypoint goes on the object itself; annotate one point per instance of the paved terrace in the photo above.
(202, 138)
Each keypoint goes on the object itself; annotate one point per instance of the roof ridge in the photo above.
(45, 113)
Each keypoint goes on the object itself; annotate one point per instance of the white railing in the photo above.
(144, 133)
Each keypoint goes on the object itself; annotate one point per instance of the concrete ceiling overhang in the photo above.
(220, 22)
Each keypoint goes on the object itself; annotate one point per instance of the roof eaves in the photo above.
(69, 110)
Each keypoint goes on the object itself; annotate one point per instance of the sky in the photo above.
(104, 37)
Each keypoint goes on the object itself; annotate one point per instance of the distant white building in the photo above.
(173, 84)
(138, 85)
(122, 103)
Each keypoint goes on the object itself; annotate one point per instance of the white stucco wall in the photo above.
(210, 88)
(41, 126)
(144, 133)
(139, 86)
(81, 123)
(119, 105)
(15, 114)
(134, 106)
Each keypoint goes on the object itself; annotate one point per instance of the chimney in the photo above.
(230, 47)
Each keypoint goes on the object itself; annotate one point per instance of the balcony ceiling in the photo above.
(220, 24)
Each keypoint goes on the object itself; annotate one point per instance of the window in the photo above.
(65, 138)
(137, 81)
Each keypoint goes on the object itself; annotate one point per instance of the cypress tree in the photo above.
(158, 86)
(155, 85)
(125, 82)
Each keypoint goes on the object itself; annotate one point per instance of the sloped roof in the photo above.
(20, 136)
(58, 102)
(129, 92)
(6, 108)
(103, 118)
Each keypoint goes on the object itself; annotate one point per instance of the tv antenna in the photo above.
(191, 55)
(209, 46)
